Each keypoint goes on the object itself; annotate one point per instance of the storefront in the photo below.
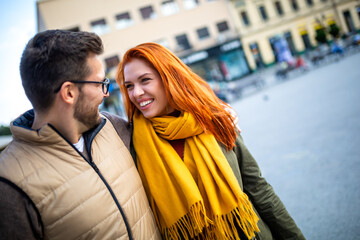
(225, 62)
(281, 49)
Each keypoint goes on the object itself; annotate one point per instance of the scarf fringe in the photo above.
(195, 223)
(191, 224)
(246, 219)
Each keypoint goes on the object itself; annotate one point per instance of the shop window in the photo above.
(112, 62)
(255, 51)
(210, 71)
(281, 49)
(100, 27)
(123, 20)
(349, 21)
(279, 8)
(310, 2)
(306, 41)
(222, 26)
(74, 29)
(245, 18)
(147, 12)
(234, 65)
(294, 5)
(189, 4)
(169, 7)
(290, 42)
(263, 13)
(203, 33)
(183, 42)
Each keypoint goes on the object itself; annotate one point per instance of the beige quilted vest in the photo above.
(72, 198)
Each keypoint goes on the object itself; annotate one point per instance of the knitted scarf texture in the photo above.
(196, 196)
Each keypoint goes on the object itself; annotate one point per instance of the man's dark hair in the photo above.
(52, 57)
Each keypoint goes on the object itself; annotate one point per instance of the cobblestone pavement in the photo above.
(304, 133)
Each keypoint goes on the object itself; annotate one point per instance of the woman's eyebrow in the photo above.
(142, 75)
(138, 78)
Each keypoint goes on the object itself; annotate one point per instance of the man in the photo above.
(67, 174)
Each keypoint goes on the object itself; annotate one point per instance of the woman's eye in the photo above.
(145, 79)
(128, 86)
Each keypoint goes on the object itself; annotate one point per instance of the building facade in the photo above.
(201, 32)
(277, 30)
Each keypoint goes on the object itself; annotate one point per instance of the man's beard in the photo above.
(85, 113)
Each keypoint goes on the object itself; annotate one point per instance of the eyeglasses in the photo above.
(105, 84)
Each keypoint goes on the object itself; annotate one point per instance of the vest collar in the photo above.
(48, 134)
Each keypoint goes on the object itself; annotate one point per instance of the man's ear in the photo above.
(68, 92)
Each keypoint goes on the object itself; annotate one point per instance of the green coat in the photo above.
(275, 221)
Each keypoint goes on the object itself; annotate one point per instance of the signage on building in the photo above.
(210, 52)
(330, 19)
(195, 57)
(230, 46)
(302, 29)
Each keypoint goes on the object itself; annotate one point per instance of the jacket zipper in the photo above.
(93, 165)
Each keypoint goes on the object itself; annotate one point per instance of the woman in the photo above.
(192, 161)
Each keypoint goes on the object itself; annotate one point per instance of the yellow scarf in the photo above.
(197, 196)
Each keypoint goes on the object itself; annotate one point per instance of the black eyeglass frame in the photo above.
(105, 84)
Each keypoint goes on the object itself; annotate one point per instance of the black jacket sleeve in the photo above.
(19, 218)
(262, 195)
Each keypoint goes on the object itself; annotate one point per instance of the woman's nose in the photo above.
(138, 91)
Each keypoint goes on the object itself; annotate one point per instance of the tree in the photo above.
(334, 30)
(4, 130)
(321, 35)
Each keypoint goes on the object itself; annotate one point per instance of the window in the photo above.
(294, 5)
(123, 20)
(279, 9)
(112, 62)
(189, 4)
(74, 29)
(263, 13)
(169, 7)
(100, 27)
(222, 26)
(147, 12)
(309, 2)
(245, 18)
(183, 42)
(203, 33)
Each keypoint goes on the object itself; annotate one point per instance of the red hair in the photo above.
(185, 91)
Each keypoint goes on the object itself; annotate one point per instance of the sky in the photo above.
(18, 25)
